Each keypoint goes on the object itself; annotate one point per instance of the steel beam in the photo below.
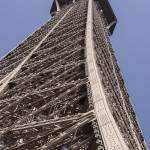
(112, 137)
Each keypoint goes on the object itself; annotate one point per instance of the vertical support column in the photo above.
(118, 84)
(111, 134)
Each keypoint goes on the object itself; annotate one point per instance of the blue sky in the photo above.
(131, 42)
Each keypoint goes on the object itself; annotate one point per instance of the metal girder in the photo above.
(67, 91)
(63, 135)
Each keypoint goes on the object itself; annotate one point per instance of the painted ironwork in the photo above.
(61, 88)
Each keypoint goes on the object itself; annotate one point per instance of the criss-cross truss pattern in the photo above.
(61, 89)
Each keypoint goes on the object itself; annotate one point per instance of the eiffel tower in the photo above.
(61, 89)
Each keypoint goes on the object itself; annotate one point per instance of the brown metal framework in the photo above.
(46, 101)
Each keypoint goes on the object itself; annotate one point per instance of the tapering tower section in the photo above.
(61, 89)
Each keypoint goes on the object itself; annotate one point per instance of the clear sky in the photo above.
(131, 42)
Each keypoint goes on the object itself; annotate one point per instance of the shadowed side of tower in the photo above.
(61, 89)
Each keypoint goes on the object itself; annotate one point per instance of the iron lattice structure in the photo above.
(61, 89)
